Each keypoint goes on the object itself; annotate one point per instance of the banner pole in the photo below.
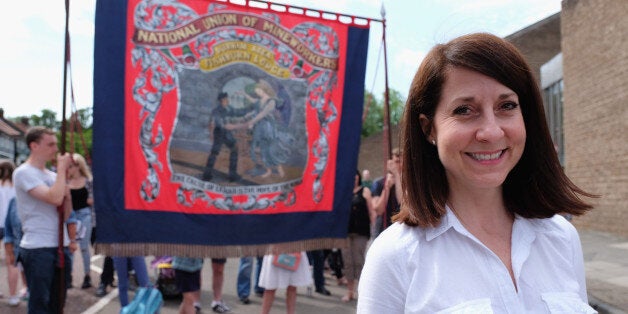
(60, 209)
(65, 74)
(386, 128)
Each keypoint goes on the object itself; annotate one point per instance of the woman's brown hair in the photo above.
(537, 187)
(6, 171)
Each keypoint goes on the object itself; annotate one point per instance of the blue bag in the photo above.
(146, 301)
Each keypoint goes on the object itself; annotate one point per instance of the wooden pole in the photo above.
(66, 59)
(386, 129)
(60, 209)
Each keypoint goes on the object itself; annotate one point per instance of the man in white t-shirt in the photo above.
(39, 192)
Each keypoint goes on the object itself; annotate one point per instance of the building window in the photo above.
(553, 98)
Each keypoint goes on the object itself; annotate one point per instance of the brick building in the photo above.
(372, 152)
(539, 42)
(595, 112)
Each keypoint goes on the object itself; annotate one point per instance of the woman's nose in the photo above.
(490, 129)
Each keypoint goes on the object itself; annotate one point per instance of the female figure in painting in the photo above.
(268, 137)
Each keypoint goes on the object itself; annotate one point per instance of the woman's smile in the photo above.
(487, 156)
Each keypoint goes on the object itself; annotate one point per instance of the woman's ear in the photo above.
(426, 126)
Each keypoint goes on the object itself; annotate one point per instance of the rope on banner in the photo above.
(75, 123)
(315, 13)
(370, 94)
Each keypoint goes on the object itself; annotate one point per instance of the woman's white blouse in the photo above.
(448, 270)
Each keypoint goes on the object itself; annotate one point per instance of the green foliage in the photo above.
(48, 118)
(74, 138)
(85, 117)
(397, 104)
(78, 140)
(374, 121)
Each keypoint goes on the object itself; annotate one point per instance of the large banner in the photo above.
(224, 129)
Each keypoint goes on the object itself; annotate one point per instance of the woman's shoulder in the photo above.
(555, 223)
(397, 240)
(394, 255)
(555, 226)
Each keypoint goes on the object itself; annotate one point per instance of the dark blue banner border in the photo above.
(115, 224)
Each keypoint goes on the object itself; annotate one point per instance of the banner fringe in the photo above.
(216, 251)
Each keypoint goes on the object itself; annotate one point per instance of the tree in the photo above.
(397, 104)
(79, 142)
(79, 132)
(48, 118)
(84, 116)
(374, 121)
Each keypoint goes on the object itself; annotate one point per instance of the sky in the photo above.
(31, 63)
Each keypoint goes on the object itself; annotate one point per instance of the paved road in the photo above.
(84, 301)
(605, 256)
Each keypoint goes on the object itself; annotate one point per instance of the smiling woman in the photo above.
(478, 229)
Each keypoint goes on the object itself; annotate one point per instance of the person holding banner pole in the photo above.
(387, 194)
(39, 192)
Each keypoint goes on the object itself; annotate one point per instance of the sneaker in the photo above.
(197, 307)
(323, 291)
(245, 300)
(14, 300)
(101, 291)
(220, 307)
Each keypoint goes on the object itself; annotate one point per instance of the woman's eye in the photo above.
(462, 110)
(510, 106)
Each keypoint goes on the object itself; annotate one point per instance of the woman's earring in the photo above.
(434, 142)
